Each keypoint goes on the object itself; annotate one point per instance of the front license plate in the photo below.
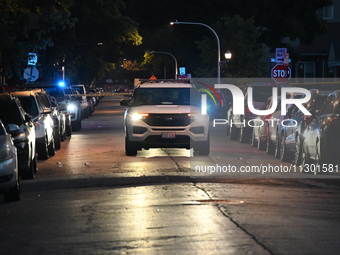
(168, 135)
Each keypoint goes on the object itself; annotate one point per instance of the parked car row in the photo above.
(33, 122)
(294, 137)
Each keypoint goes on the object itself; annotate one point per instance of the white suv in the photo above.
(43, 121)
(165, 114)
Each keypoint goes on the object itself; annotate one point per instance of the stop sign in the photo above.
(281, 73)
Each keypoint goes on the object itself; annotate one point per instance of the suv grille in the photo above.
(168, 120)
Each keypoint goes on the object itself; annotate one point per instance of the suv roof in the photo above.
(164, 83)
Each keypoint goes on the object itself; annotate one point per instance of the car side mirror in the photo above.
(124, 102)
(13, 129)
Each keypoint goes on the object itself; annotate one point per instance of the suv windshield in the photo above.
(29, 105)
(165, 96)
(57, 93)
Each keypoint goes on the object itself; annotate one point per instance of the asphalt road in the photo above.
(92, 199)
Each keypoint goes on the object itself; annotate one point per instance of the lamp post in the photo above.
(219, 63)
(176, 66)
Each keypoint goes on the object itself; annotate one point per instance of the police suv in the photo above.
(165, 114)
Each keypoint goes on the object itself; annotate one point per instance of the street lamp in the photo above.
(227, 55)
(218, 45)
(176, 66)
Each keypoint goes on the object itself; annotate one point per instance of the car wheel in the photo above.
(14, 193)
(62, 134)
(298, 150)
(68, 130)
(76, 125)
(277, 145)
(270, 146)
(244, 136)
(43, 151)
(34, 165)
(51, 148)
(233, 132)
(285, 157)
(57, 138)
(130, 149)
(318, 159)
(305, 166)
(254, 142)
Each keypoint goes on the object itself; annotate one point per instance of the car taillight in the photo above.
(248, 112)
(268, 117)
(308, 119)
(334, 121)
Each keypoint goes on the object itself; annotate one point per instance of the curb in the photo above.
(89, 181)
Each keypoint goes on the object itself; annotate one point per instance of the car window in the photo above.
(29, 105)
(45, 100)
(9, 113)
(57, 93)
(165, 96)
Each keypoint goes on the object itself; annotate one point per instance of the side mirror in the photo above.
(13, 129)
(124, 102)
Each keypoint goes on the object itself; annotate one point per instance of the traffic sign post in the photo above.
(281, 73)
(279, 54)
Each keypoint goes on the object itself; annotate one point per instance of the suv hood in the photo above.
(164, 109)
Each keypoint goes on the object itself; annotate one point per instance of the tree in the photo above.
(94, 45)
(28, 26)
(239, 36)
(274, 21)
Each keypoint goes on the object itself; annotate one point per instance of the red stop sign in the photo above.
(281, 73)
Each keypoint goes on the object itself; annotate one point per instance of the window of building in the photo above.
(327, 12)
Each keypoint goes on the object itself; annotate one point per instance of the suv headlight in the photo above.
(138, 116)
(71, 107)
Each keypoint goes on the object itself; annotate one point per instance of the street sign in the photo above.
(279, 54)
(281, 73)
(31, 73)
(32, 59)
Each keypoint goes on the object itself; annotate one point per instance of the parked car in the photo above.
(321, 136)
(292, 142)
(56, 91)
(165, 115)
(275, 128)
(95, 95)
(74, 107)
(261, 124)
(9, 173)
(84, 103)
(239, 127)
(43, 122)
(59, 117)
(11, 112)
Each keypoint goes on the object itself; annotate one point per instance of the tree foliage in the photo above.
(68, 32)
(29, 26)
